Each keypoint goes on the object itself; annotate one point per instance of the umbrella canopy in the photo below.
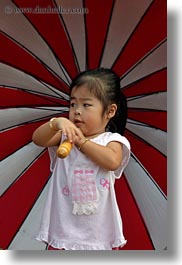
(44, 45)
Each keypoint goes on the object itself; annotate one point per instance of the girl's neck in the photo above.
(94, 135)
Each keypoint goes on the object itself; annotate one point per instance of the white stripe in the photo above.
(57, 91)
(152, 63)
(154, 137)
(26, 35)
(75, 26)
(157, 101)
(25, 238)
(16, 116)
(13, 166)
(121, 27)
(151, 202)
(12, 77)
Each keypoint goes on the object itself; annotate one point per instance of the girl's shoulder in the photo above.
(107, 137)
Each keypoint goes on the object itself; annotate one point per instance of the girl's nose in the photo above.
(77, 112)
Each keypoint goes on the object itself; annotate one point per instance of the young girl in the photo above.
(81, 211)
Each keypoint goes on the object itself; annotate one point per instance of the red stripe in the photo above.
(16, 98)
(14, 55)
(16, 203)
(156, 82)
(134, 228)
(16, 138)
(151, 31)
(154, 162)
(158, 119)
(97, 21)
(53, 32)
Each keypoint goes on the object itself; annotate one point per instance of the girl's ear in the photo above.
(111, 111)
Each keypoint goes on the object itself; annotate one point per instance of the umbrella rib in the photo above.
(130, 189)
(106, 35)
(86, 35)
(55, 55)
(143, 58)
(33, 120)
(145, 125)
(148, 174)
(144, 95)
(33, 76)
(144, 141)
(135, 122)
(68, 36)
(132, 33)
(47, 45)
(38, 94)
(143, 78)
(25, 106)
(49, 108)
(35, 56)
(23, 220)
(17, 149)
(56, 92)
(146, 109)
(24, 170)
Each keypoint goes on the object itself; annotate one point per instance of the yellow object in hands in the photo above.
(64, 149)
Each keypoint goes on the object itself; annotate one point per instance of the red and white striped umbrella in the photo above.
(44, 45)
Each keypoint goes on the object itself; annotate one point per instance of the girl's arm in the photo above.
(108, 157)
(47, 135)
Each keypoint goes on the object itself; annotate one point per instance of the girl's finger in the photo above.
(79, 133)
(71, 134)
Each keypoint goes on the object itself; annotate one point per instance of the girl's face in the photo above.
(86, 112)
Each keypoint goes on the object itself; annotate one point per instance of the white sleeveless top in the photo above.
(81, 212)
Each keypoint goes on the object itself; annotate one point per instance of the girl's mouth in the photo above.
(78, 122)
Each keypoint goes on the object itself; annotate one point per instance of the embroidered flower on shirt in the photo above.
(105, 183)
(66, 191)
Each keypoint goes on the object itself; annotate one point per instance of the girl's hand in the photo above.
(46, 135)
(80, 138)
(69, 129)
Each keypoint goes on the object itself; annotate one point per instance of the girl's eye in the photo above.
(86, 105)
(72, 104)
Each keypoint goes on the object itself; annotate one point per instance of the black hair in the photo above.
(104, 83)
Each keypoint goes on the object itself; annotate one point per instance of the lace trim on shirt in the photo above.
(84, 192)
(84, 208)
(61, 244)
